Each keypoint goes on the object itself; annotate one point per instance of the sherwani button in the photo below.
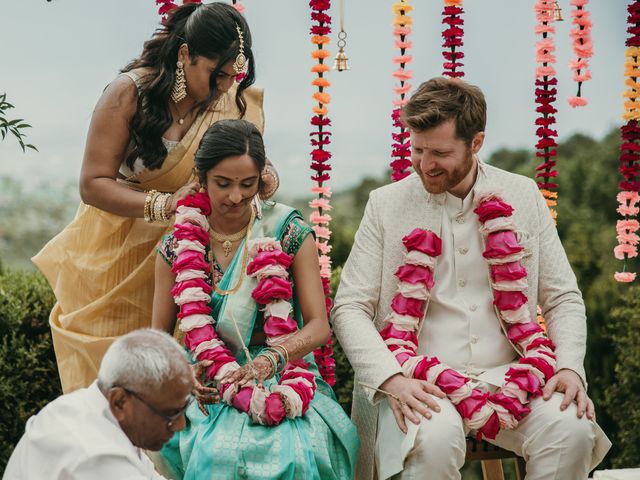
(474, 339)
(462, 282)
(473, 307)
(463, 250)
(460, 218)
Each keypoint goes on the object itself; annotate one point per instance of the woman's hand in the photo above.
(204, 395)
(259, 370)
(172, 202)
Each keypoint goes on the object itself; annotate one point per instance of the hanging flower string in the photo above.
(481, 411)
(320, 157)
(452, 35)
(583, 49)
(401, 146)
(167, 5)
(628, 198)
(546, 92)
(192, 293)
(238, 6)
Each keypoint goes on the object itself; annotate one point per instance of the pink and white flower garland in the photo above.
(583, 49)
(481, 411)
(269, 264)
(401, 147)
(452, 36)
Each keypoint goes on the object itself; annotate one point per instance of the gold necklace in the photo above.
(227, 240)
(245, 258)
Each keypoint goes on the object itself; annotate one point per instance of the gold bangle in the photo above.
(147, 205)
(284, 351)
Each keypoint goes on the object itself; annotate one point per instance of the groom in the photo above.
(408, 427)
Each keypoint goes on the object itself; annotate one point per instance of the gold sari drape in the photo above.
(101, 266)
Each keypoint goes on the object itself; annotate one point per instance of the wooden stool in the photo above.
(491, 457)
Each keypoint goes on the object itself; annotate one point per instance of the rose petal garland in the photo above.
(545, 96)
(401, 146)
(269, 264)
(481, 411)
(583, 49)
(629, 197)
(238, 6)
(452, 35)
(320, 156)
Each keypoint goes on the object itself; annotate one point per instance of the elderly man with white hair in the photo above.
(137, 403)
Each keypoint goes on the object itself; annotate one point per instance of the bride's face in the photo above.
(231, 186)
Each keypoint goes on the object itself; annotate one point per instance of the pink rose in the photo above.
(544, 341)
(305, 393)
(200, 200)
(188, 231)
(520, 331)
(190, 260)
(404, 356)
(265, 258)
(501, 244)
(274, 409)
(196, 336)
(624, 277)
(407, 306)
(524, 379)
(270, 289)
(274, 326)
(191, 283)
(391, 332)
(509, 300)
(242, 400)
(508, 271)
(450, 380)
(493, 209)
(194, 308)
(423, 366)
(491, 428)
(539, 363)
(512, 404)
(467, 407)
(415, 274)
(424, 241)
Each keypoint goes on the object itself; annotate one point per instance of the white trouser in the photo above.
(555, 444)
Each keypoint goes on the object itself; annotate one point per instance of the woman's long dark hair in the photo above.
(229, 138)
(209, 31)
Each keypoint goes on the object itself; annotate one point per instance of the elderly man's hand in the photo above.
(204, 395)
(568, 382)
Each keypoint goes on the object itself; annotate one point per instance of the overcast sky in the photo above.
(57, 57)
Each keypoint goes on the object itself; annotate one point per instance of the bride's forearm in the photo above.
(313, 335)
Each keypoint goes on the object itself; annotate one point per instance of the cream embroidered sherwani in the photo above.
(368, 283)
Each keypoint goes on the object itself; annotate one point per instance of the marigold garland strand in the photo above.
(320, 157)
(401, 147)
(628, 198)
(545, 93)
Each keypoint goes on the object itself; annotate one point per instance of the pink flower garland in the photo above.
(452, 35)
(320, 157)
(401, 147)
(167, 5)
(545, 96)
(582, 47)
(238, 6)
(629, 158)
(481, 411)
(269, 264)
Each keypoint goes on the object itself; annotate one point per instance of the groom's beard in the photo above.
(447, 179)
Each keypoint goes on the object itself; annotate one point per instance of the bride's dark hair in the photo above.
(209, 31)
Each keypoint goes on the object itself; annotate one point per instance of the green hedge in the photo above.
(28, 374)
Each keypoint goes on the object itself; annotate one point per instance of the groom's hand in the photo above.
(568, 382)
(414, 398)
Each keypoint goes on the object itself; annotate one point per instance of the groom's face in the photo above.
(441, 159)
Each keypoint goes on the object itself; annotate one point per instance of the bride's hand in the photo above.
(189, 189)
(204, 395)
(259, 370)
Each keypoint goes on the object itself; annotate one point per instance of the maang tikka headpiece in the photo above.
(240, 65)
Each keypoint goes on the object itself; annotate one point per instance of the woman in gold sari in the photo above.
(138, 163)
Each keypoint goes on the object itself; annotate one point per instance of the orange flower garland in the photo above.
(628, 198)
(320, 157)
(401, 148)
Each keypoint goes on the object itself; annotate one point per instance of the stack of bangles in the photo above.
(278, 356)
(155, 206)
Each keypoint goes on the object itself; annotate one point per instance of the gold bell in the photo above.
(557, 12)
(340, 62)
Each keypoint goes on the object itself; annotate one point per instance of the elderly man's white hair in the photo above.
(143, 359)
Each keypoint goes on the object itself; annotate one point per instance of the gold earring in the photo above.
(179, 90)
